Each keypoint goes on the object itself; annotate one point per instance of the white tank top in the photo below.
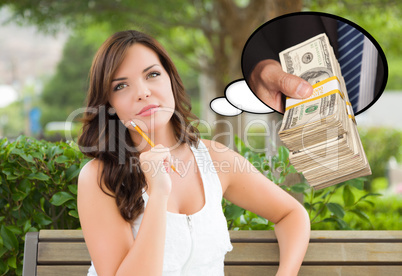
(195, 244)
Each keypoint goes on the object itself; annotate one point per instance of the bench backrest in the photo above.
(63, 252)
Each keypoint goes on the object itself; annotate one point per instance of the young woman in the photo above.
(138, 216)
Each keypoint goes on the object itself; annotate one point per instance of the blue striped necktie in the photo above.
(350, 48)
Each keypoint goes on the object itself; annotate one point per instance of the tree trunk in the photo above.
(236, 24)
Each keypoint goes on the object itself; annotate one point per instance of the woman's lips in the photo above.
(148, 110)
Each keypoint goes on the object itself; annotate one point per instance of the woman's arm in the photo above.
(246, 187)
(109, 237)
(146, 256)
(293, 234)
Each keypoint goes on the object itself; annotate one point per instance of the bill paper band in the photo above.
(321, 89)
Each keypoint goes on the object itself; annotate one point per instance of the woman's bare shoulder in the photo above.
(214, 146)
(224, 161)
(217, 150)
(91, 170)
(90, 175)
(92, 166)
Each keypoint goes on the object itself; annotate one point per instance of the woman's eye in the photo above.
(119, 86)
(153, 75)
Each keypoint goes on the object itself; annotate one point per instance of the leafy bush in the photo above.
(322, 207)
(380, 144)
(334, 204)
(385, 216)
(38, 188)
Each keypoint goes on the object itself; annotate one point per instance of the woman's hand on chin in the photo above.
(155, 165)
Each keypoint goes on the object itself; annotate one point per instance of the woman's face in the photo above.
(141, 90)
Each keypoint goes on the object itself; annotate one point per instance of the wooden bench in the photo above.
(63, 252)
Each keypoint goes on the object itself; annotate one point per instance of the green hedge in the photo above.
(38, 188)
(379, 145)
(328, 208)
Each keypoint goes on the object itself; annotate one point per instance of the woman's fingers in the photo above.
(155, 164)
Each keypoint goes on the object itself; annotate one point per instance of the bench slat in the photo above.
(251, 270)
(323, 236)
(255, 235)
(62, 253)
(327, 253)
(61, 235)
(316, 270)
(62, 270)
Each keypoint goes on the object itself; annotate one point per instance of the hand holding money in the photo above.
(320, 131)
(269, 82)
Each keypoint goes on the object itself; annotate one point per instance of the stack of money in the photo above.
(320, 131)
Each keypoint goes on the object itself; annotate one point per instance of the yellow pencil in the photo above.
(137, 128)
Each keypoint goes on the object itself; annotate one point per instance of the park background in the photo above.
(46, 48)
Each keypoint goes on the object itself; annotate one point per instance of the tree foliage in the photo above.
(380, 144)
(381, 18)
(209, 35)
(67, 88)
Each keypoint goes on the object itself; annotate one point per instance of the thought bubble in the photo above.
(365, 77)
(239, 98)
(362, 62)
(223, 107)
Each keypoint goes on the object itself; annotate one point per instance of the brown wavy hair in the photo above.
(105, 138)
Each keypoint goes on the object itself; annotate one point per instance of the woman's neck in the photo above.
(163, 135)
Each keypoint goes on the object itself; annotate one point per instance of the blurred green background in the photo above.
(46, 49)
(188, 30)
(202, 38)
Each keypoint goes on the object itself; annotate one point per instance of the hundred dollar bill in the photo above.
(320, 131)
(310, 60)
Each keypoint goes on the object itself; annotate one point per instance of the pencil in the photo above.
(137, 128)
